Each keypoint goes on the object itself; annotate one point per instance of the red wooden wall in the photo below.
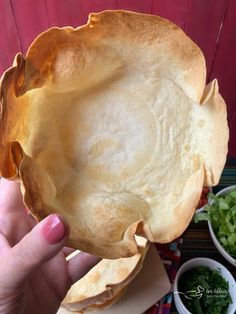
(210, 23)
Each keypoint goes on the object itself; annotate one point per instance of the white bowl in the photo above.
(218, 245)
(210, 263)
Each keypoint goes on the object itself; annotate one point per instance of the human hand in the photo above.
(34, 274)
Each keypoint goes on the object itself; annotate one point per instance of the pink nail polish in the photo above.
(54, 230)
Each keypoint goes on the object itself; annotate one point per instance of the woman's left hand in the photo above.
(34, 273)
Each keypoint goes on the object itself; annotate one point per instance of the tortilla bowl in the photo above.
(111, 125)
(105, 283)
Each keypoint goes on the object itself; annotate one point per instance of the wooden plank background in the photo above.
(210, 23)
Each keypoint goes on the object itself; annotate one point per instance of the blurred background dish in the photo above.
(221, 216)
(204, 198)
(231, 259)
(199, 292)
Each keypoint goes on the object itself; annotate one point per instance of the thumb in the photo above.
(44, 241)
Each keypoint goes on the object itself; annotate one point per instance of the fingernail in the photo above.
(54, 230)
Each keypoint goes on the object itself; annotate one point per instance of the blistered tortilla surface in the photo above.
(112, 126)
